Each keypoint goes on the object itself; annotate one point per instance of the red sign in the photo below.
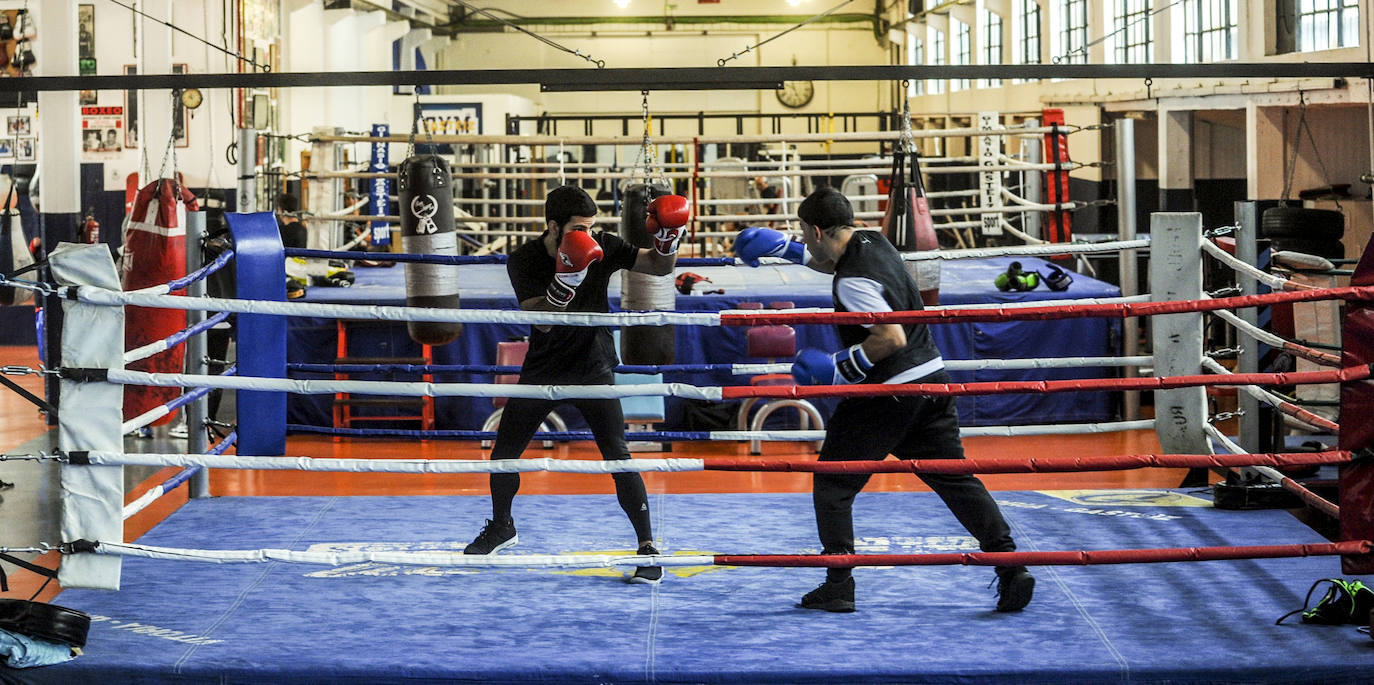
(102, 111)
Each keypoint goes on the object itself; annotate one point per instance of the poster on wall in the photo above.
(102, 129)
(179, 118)
(6, 149)
(449, 118)
(25, 150)
(85, 47)
(19, 125)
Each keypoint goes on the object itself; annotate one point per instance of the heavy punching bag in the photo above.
(643, 292)
(154, 253)
(908, 225)
(14, 249)
(425, 191)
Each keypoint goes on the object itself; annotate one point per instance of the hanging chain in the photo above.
(908, 139)
(646, 148)
(170, 151)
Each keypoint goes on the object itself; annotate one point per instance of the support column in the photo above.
(196, 440)
(59, 158)
(1247, 232)
(1176, 162)
(1176, 339)
(1127, 260)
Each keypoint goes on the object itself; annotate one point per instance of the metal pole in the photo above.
(1247, 232)
(196, 440)
(1126, 230)
(1030, 180)
(247, 182)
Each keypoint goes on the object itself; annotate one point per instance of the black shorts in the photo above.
(909, 427)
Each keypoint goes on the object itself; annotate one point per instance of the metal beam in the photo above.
(661, 79)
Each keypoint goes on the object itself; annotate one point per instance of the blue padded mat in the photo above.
(371, 623)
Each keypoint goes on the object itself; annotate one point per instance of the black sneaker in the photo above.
(836, 597)
(1014, 588)
(647, 575)
(495, 536)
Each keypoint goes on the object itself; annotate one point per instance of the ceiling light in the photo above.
(622, 4)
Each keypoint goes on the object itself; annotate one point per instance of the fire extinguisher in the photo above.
(90, 230)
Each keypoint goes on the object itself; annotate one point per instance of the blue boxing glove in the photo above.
(814, 367)
(756, 242)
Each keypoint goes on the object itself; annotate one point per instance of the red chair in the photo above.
(512, 353)
(773, 342)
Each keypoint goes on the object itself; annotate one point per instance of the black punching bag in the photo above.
(642, 292)
(426, 206)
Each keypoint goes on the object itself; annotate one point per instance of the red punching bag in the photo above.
(425, 192)
(154, 253)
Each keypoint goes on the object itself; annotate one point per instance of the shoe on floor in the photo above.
(836, 597)
(1015, 585)
(495, 536)
(647, 575)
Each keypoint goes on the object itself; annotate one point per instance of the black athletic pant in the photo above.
(909, 427)
(519, 421)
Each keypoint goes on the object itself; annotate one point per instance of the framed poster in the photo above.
(85, 47)
(101, 129)
(130, 111)
(19, 125)
(179, 118)
(6, 148)
(25, 150)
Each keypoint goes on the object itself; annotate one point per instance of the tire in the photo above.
(45, 621)
(1331, 249)
(1302, 224)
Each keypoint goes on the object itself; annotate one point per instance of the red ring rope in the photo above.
(1350, 373)
(1098, 311)
(1028, 465)
(1073, 558)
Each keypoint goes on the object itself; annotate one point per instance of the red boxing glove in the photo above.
(578, 251)
(668, 214)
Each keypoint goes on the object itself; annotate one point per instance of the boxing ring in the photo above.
(375, 589)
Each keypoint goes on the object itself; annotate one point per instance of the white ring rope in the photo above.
(1025, 250)
(983, 364)
(1275, 282)
(414, 389)
(1255, 332)
(435, 558)
(1258, 393)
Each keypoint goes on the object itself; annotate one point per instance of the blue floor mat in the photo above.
(1209, 622)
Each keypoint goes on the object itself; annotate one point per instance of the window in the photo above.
(1327, 24)
(1133, 38)
(1209, 30)
(937, 58)
(1026, 23)
(992, 44)
(916, 55)
(1073, 31)
(963, 52)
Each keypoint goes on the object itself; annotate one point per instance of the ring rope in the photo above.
(199, 274)
(1272, 340)
(1293, 410)
(174, 339)
(640, 465)
(101, 296)
(712, 393)
(457, 558)
(734, 369)
(180, 477)
(1275, 282)
(723, 435)
(946, 255)
(147, 417)
(1316, 501)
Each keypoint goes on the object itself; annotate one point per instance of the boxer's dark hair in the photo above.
(826, 209)
(566, 202)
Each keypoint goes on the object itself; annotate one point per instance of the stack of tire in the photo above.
(1299, 229)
